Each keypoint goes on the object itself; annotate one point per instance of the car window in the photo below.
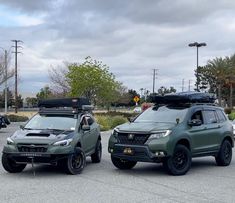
(209, 116)
(197, 115)
(221, 116)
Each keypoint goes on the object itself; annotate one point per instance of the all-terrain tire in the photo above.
(224, 156)
(96, 157)
(10, 165)
(75, 162)
(180, 162)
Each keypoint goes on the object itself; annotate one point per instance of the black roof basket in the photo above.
(184, 97)
(76, 103)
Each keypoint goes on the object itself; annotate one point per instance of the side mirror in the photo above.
(85, 127)
(195, 122)
(131, 119)
(22, 127)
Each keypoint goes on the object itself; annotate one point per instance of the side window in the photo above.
(221, 116)
(209, 116)
(197, 115)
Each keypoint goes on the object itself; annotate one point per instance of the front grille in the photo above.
(32, 148)
(135, 139)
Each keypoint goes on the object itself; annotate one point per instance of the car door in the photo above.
(86, 135)
(197, 133)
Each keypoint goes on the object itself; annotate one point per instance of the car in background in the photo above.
(137, 109)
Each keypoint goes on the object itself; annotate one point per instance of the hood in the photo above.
(145, 127)
(40, 136)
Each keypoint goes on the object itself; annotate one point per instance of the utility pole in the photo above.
(16, 76)
(154, 78)
(189, 85)
(5, 63)
(182, 85)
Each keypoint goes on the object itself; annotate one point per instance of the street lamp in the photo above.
(196, 44)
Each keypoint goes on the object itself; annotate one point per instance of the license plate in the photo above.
(128, 151)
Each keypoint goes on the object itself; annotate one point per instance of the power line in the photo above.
(16, 74)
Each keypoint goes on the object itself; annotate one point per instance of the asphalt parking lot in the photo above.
(102, 182)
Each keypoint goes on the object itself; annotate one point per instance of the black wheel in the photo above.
(96, 157)
(224, 156)
(11, 166)
(123, 164)
(75, 163)
(180, 162)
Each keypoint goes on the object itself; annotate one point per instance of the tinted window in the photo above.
(221, 116)
(90, 121)
(209, 116)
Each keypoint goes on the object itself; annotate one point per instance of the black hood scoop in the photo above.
(38, 135)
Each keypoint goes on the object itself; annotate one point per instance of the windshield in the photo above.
(51, 122)
(162, 114)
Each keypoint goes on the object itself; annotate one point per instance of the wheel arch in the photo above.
(184, 142)
(229, 139)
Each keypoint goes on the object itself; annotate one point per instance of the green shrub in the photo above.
(16, 118)
(228, 110)
(109, 122)
(231, 116)
(117, 120)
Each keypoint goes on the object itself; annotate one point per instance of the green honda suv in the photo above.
(176, 129)
(63, 133)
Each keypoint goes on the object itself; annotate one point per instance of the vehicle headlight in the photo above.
(63, 142)
(10, 141)
(160, 134)
(115, 132)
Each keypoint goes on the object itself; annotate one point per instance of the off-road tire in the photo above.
(10, 165)
(123, 164)
(224, 156)
(180, 162)
(75, 162)
(96, 157)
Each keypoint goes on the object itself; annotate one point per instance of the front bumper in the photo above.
(140, 153)
(36, 157)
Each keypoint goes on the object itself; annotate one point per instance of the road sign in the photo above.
(136, 99)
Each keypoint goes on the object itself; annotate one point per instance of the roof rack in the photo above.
(184, 97)
(64, 106)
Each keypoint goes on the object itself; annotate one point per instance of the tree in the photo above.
(31, 101)
(44, 93)
(10, 72)
(59, 83)
(10, 99)
(93, 80)
(163, 90)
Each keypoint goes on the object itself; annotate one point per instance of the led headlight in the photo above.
(160, 134)
(9, 141)
(63, 142)
(115, 132)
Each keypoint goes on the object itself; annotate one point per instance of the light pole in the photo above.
(196, 44)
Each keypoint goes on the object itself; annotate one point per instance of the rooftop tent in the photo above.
(65, 102)
(184, 97)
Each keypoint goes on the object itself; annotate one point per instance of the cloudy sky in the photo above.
(132, 37)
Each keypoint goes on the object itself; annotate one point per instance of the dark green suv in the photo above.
(63, 133)
(177, 128)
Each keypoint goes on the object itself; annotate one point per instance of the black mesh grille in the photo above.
(38, 135)
(32, 148)
(132, 139)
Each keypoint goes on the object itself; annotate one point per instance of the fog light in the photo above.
(160, 154)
